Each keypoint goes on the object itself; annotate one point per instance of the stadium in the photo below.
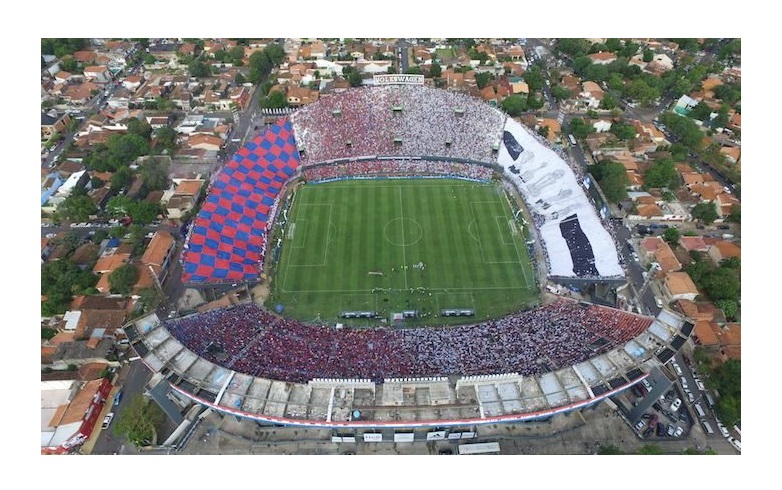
(408, 236)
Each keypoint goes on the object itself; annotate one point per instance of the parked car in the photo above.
(639, 425)
(107, 420)
(117, 398)
(676, 404)
(679, 431)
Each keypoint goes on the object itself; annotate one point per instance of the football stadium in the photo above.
(407, 237)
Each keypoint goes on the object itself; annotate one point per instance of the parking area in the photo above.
(657, 412)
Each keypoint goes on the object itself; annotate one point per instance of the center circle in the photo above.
(403, 231)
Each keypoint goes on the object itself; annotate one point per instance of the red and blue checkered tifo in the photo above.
(228, 234)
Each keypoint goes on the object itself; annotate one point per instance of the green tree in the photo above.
(543, 131)
(435, 70)
(139, 420)
(154, 174)
(199, 69)
(662, 173)
(483, 78)
(560, 93)
(705, 212)
(534, 103)
(514, 105)
(122, 279)
(60, 281)
(652, 449)
(236, 53)
(121, 179)
(672, 235)
(608, 102)
(648, 55)
(534, 79)
(149, 299)
(76, 207)
(97, 182)
(612, 178)
(166, 139)
(723, 284)
(609, 449)
(275, 100)
(580, 128)
(140, 127)
(623, 131)
(729, 307)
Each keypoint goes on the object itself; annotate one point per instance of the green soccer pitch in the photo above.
(409, 244)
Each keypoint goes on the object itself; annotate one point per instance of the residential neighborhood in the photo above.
(134, 131)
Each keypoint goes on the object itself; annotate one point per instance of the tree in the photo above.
(199, 69)
(608, 102)
(236, 53)
(560, 93)
(77, 207)
(648, 55)
(723, 284)
(483, 78)
(139, 420)
(239, 79)
(650, 449)
(609, 449)
(121, 179)
(534, 79)
(275, 100)
(435, 70)
(735, 215)
(534, 103)
(672, 235)
(166, 139)
(149, 299)
(139, 127)
(154, 174)
(705, 212)
(122, 279)
(97, 182)
(543, 131)
(60, 281)
(612, 178)
(514, 105)
(662, 173)
(580, 128)
(729, 307)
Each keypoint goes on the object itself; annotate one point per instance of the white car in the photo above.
(679, 432)
(107, 420)
(676, 404)
(735, 443)
(700, 385)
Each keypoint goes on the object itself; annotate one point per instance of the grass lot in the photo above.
(352, 245)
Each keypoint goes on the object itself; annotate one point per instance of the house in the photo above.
(49, 185)
(591, 94)
(182, 198)
(679, 285)
(666, 258)
(693, 243)
(726, 202)
(554, 128)
(107, 264)
(602, 58)
(300, 96)
(53, 123)
(132, 82)
(158, 254)
(706, 334)
(203, 141)
(722, 250)
(731, 153)
(70, 412)
(730, 342)
(97, 74)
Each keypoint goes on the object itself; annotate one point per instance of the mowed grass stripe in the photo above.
(366, 235)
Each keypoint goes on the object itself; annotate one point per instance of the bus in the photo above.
(480, 448)
(572, 139)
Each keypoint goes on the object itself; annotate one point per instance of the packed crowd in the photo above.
(251, 340)
(363, 121)
(400, 167)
